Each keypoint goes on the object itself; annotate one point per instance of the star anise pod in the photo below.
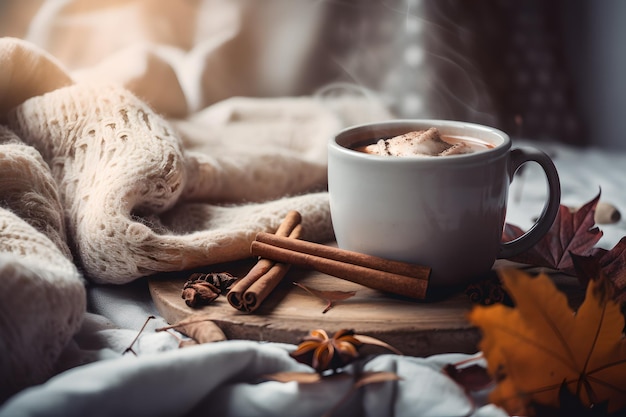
(488, 291)
(322, 352)
(202, 289)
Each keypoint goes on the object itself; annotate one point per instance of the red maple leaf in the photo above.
(571, 233)
(611, 263)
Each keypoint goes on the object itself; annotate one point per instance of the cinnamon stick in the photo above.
(372, 272)
(346, 256)
(249, 292)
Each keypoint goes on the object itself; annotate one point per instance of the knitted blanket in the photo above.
(96, 185)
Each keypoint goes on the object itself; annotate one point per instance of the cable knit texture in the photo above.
(96, 185)
(121, 171)
(42, 301)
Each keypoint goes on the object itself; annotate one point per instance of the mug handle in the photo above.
(521, 244)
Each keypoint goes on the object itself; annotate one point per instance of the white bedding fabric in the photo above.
(181, 71)
(221, 378)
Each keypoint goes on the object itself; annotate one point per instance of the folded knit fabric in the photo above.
(95, 184)
(126, 186)
(42, 301)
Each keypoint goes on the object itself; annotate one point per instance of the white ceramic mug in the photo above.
(446, 212)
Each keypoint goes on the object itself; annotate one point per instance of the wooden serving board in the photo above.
(417, 328)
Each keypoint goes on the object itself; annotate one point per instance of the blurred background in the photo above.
(540, 70)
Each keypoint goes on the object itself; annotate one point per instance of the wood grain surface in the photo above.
(416, 328)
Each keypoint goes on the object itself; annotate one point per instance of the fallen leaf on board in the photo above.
(329, 296)
(198, 327)
(535, 347)
(571, 233)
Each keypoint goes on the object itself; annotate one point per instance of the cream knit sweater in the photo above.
(95, 185)
(43, 298)
(121, 172)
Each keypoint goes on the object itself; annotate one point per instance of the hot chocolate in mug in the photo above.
(445, 212)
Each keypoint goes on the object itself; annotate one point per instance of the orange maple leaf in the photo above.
(541, 344)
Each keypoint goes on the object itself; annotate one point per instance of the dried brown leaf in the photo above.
(471, 378)
(611, 264)
(368, 340)
(367, 378)
(198, 327)
(299, 377)
(329, 296)
(187, 342)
